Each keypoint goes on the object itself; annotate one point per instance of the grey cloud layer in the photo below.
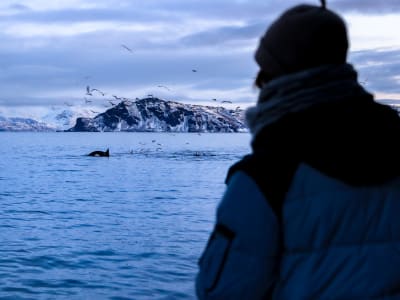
(225, 34)
(379, 69)
(222, 53)
(367, 6)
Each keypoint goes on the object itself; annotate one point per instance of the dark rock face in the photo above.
(153, 114)
(85, 124)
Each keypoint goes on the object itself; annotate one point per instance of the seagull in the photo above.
(226, 101)
(194, 70)
(163, 86)
(88, 92)
(102, 93)
(127, 48)
(214, 99)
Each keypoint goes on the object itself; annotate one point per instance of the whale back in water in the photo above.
(100, 153)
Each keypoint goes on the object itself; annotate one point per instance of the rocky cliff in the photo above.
(153, 114)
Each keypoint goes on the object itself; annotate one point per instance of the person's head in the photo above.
(303, 37)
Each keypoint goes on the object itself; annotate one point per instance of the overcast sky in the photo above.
(51, 50)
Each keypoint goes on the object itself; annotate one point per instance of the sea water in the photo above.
(131, 226)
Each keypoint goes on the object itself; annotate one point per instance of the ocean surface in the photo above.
(131, 226)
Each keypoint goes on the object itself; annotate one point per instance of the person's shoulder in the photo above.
(246, 165)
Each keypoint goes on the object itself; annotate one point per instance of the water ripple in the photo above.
(128, 227)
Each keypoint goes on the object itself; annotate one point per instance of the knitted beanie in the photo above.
(303, 37)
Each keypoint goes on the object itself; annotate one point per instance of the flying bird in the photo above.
(127, 48)
(88, 92)
(194, 70)
(97, 90)
(226, 101)
(163, 86)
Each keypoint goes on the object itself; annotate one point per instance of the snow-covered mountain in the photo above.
(153, 114)
(149, 114)
(23, 124)
(63, 119)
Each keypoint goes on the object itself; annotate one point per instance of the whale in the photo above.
(100, 153)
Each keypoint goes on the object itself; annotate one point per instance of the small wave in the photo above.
(14, 211)
(18, 290)
(47, 262)
(64, 170)
(191, 155)
(66, 283)
(106, 252)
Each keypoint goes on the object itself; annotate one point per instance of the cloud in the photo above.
(69, 15)
(379, 70)
(225, 35)
(366, 6)
(66, 69)
(19, 7)
(51, 50)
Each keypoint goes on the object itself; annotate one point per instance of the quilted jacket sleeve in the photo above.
(241, 257)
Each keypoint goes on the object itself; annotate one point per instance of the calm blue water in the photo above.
(131, 226)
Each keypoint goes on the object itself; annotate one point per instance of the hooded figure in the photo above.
(313, 212)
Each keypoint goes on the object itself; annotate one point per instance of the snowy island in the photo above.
(143, 115)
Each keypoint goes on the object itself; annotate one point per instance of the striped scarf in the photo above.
(299, 91)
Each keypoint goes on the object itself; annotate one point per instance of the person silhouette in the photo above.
(313, 211)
